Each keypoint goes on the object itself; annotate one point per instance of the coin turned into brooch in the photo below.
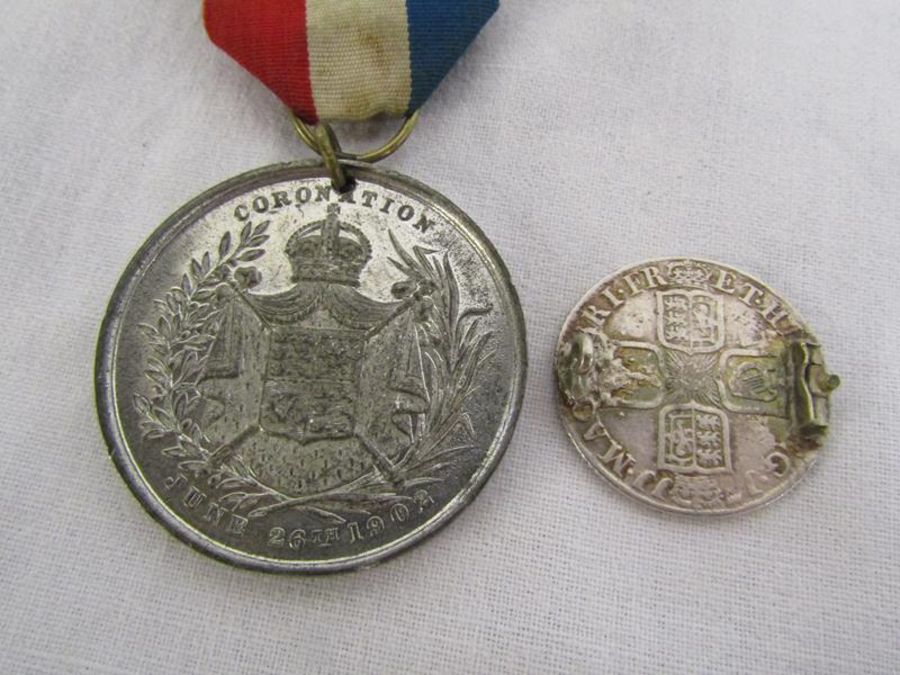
(693, 387)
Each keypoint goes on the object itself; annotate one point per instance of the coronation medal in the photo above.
(313, 366)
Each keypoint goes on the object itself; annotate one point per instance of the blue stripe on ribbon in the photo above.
(439, 32)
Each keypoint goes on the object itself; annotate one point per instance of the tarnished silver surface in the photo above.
(692, 386)
(293, 379)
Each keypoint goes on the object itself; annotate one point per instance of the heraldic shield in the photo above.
(690, 321)
(305, 384)
(694, 439)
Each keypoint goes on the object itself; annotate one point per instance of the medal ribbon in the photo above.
(347, 59)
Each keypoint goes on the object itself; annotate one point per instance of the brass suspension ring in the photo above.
(310, 136)
(329, 149)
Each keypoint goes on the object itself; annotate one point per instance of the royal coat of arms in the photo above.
(693, 439)
(690, 321)
(319, 396)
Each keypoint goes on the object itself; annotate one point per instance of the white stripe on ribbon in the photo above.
(358, 57)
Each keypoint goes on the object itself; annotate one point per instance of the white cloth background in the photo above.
(582, 136)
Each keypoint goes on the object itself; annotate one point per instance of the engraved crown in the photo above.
(689, 273)
(329, 250)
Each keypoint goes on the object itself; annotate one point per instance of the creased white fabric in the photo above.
(582, 136)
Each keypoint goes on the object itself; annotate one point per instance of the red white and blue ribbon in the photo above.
(347, 59)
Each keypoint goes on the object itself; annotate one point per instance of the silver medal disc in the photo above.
(692, 386)
(295, 379)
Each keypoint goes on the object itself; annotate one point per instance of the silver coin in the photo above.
(692, 386)
(295, 379)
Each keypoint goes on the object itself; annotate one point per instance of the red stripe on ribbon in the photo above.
(268, 38)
